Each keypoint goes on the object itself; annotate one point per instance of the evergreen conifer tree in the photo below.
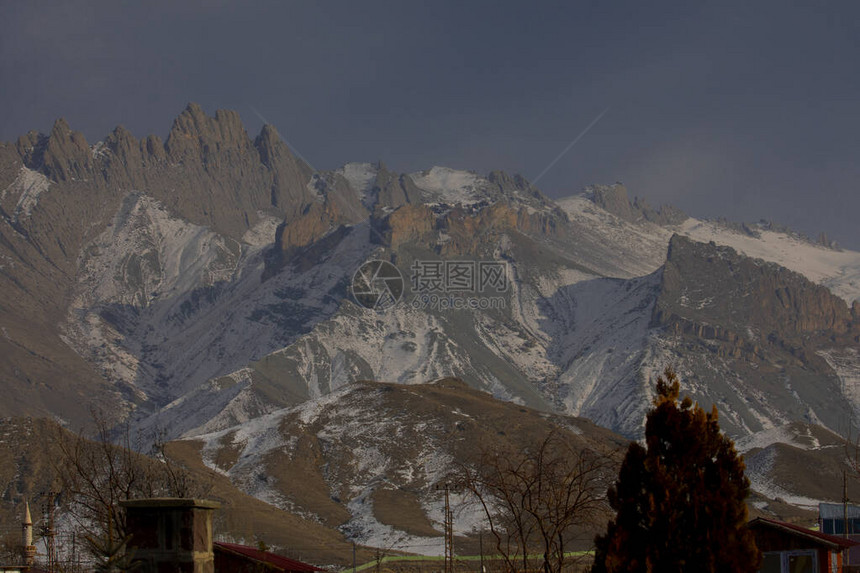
(680, 498)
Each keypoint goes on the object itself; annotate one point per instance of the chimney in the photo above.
(171, 534)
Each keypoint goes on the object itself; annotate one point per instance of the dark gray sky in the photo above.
(746, 111)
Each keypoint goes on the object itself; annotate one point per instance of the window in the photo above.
(801, 561)
(771, 563)
(835, 526)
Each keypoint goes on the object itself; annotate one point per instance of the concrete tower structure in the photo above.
(171, 534)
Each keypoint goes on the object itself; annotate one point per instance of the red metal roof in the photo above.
(278, 561)
(822, 538)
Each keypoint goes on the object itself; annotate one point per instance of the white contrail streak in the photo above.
(290, 145)
(571, 144)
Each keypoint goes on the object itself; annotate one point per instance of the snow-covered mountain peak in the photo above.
(360, 176)
(449, 186)
(838, 270)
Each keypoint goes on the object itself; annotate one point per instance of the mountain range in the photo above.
(203, 284)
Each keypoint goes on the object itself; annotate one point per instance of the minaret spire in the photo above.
(29, 550)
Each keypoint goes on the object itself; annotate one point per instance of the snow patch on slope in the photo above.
(641, 247)
(645, 245)
(402, 345)
(846, 364)
(361, 177)
(27, 186)
(263, 233)
(600, 331)
(448, 186)
(153, 252)
(162, 306)
(760, 468)
(837, 270)
(469, 516)
(365, 529)
(786, 434)
(381, 446)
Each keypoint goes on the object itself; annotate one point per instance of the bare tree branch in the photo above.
(96, 475)
(535, 498)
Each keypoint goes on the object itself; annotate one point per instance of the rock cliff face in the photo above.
(290, 176)
(461, 231)
(403, 225)
(729, 318)
(390, 190)
(472, 228)
(614, 199)
(719, 294)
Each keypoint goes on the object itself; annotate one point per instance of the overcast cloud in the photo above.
(740, 111)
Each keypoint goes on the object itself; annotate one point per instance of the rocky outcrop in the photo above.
(332, 204)
(289, 193)
(208, 171)
(213, 141)
(469, 234)
(67, 155)
(313, 224)
(514, 186)
(461, 231)
(336, 190)
(613, 198)
(406, 224)
(217, 178)
(390, 189)
(663, 215)
(712, 292)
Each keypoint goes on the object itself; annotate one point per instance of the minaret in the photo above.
(29, 550)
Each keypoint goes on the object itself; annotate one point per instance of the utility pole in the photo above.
(449, 529)
(847, 559)
(450, 534)
(75, 564)
(481, 548)
(47, 531)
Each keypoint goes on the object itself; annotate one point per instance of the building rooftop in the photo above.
(264, 557)
(821, 539)
(163, 502)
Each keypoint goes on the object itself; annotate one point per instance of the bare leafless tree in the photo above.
(11, 548)
(95, 475)
(535, 499)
